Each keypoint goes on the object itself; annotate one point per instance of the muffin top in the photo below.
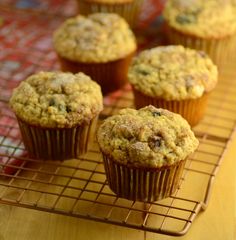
(173, 73)
(202, 18)
(148, 137)
(57, 100)
(97, 38)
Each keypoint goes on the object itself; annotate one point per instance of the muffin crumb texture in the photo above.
(57, 100)
(148, 137)
(202, 18)
(97, 38)
(173, 73)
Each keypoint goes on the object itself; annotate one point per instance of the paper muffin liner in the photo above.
(59, 143)
(110, 76)
(192, 109)
(219, 50)
(143, 184)
(128, 10)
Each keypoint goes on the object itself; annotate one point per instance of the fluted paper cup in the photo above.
(192, 110)
(129, 10)
(143, 184)
(220, 50)
(110, 76)
(59, 143)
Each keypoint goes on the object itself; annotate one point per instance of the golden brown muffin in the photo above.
(148, 143)
(175, 78)
(204, 25)
(97, 38)
(56, 112)
(95, 46)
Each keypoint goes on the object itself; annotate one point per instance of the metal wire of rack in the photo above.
(78, 187)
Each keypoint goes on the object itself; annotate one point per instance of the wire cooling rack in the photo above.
(78, 187)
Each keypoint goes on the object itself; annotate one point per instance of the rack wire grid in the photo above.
(78, 187)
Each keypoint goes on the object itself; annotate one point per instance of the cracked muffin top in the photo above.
(202, 18)
(148, 137)
(97, 38)
(173, 73)
(57, 100)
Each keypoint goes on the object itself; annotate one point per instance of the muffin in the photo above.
(144, 152)
(57, 113)
(204, 25)
(101, 45)
(128, 9)
(175, 78)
